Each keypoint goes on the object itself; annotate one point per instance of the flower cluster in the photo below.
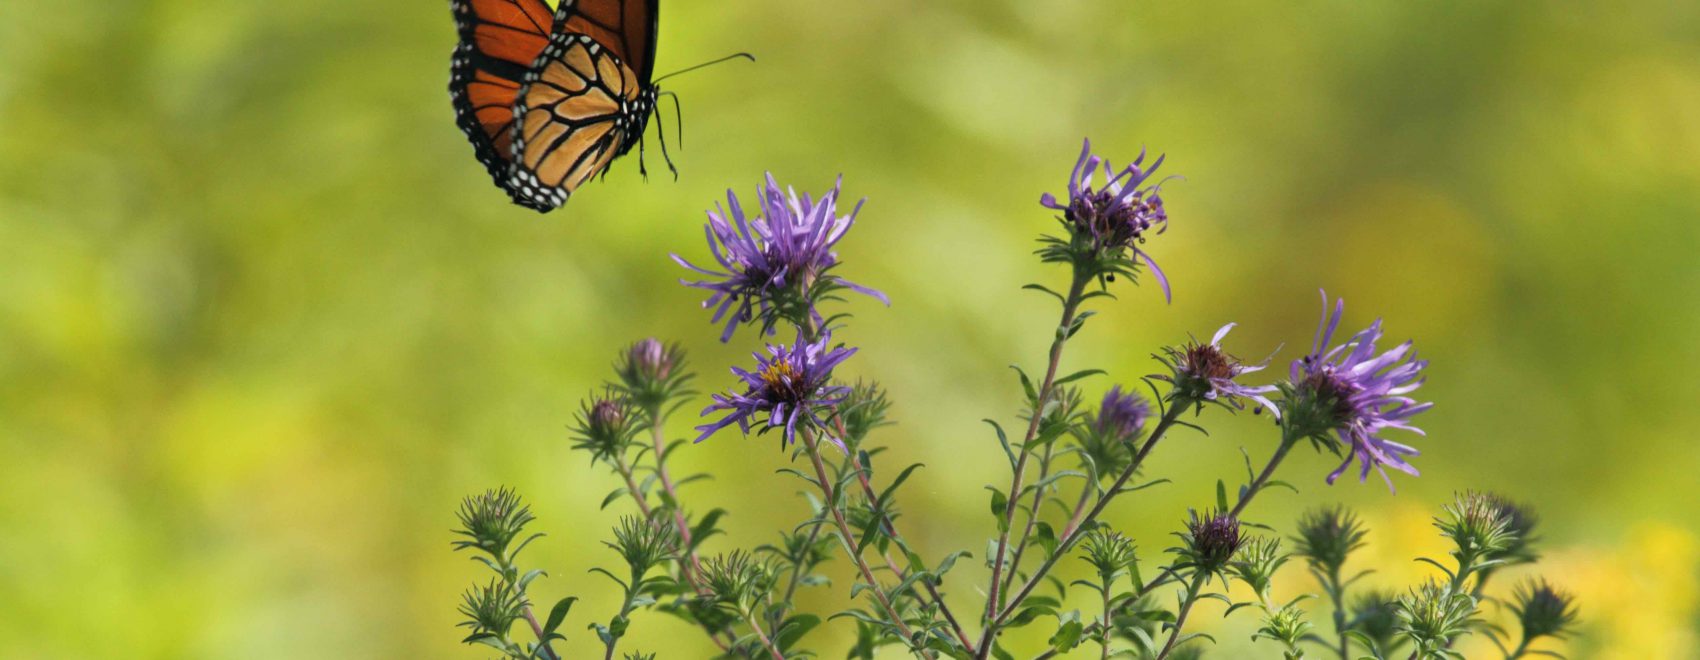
(774, 265)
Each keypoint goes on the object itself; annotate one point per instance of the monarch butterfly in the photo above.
(550, 99)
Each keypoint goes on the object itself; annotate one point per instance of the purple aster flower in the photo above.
(1121, 416)
(1359, 394)
(774, 264)
(788, 386)
(1116, 215)
(1204, 372)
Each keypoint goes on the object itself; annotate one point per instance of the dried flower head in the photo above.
(1204, 373)
(775, 265)
(1106, 223)
(788, 388)
(1356, 394)
(1327, 535)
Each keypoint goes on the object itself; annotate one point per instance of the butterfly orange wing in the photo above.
(499, 41)
(576, 112)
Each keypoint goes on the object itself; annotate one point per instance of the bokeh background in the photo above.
(264, 320)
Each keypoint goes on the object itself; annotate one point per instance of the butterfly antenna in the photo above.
(689, 69)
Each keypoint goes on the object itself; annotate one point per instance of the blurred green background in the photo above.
(264, 320)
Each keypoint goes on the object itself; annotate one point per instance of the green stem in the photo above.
(1337, 594)
(833, 505)
(994, 599)
(1073, 531)
(1257, 485)
(1192, 592)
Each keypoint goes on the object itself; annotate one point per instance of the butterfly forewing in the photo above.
(499, 40)
(573, 118)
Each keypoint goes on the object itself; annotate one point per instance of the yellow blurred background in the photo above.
(264, 320)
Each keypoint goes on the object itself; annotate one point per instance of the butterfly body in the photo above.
(550, 99)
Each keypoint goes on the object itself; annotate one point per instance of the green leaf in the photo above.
(793, 630)
(1078, 375)
(1045, 537)
(1000, 508)
(613, 496)
(1003, 439)
(1027, 385)
(1044, 289)
(1067, 636)
(1221, 496)
(705, 527)
(901, 477)
(950, 561)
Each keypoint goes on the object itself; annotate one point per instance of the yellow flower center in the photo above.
(779, 374)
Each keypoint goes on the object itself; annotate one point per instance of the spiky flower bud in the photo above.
(1255, 564)
(491, 610)
(650, 372)
(863, 410)
(1108, 436)
(1121, 415)
(1375, 614)
(1520, 523)
(1210, 541)
(605, 426)
(736, 578)
(491, 521)
(1327, 536)
(644, 544)
(1432, 615)
(1110, 553)
(1543, 610)
(1477, 527)
(1287, 625)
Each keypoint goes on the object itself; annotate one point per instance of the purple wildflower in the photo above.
(1359, 394)
(1116, 215)
(1205, 372)
(776, 262)
(1121, 416)
(788, 385)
